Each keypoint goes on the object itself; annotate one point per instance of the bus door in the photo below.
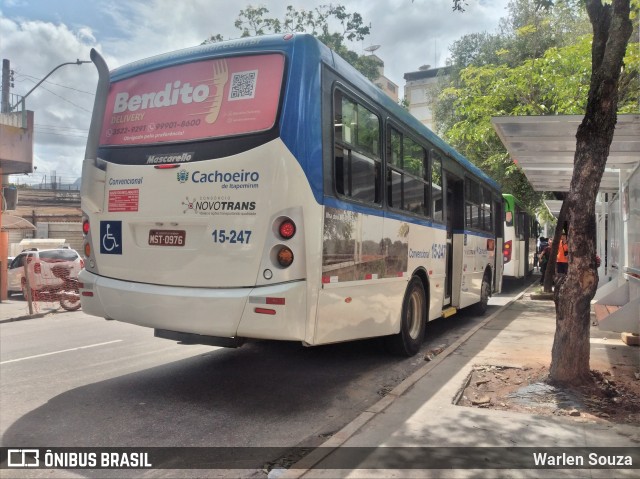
(527, 259)
(499, 258)
(454, 214)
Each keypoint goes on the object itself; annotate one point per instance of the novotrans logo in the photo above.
(214, 206)
(190, 205)
(183, 176)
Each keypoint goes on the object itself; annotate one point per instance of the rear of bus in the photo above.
(196, 212)
(512, 242)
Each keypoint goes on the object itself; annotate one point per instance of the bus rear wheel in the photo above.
(485, 291)
(414, 307)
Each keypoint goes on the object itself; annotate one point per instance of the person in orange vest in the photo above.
(562, 261)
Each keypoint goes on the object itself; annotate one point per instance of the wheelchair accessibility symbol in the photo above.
(111, 237)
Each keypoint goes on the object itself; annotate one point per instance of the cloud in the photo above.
(421, 32)
(159, 26)
(37, 39)
(62, 104)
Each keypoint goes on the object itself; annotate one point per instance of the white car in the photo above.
(40, 269)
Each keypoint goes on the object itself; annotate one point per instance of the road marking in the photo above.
(62, 351)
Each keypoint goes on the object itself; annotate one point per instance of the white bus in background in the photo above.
(263, 188)
(520, 239)
(618, 300)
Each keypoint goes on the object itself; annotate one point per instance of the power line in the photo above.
(58, 127)
(29, 77)
(77, 62)
(59, 134)
(64, 99)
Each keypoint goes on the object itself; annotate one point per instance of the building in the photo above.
(382, 82)
(52, 214)
(417, 91)
(16, 156)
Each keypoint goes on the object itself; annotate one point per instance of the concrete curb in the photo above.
(304, 465)
(30, 316)
(22, 318)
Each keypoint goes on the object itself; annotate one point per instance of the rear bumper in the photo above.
(232, 312)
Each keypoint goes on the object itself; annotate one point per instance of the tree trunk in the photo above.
(612, 29)
(550, 272)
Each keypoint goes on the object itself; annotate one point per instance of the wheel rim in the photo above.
(414, 313)
(70, 305)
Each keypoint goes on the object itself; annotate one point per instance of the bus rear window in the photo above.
(201, 100)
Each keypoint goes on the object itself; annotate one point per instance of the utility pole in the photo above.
(77, 62)
(6, 82)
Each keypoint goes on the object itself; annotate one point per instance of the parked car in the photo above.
(40, 264)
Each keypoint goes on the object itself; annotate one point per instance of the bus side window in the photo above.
(416, 185)
(473, 204)
(407, 181)
(520, 220)
(436, 186)
(357, 166)
(340, 173)
(394, 163)
(487, 210)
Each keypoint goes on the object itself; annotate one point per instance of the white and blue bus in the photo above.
(262, 188)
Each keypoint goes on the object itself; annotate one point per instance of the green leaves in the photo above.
(557, 82)
(331, 24)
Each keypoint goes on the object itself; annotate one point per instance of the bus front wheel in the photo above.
(414, 306)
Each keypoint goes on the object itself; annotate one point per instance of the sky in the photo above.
(38, 35)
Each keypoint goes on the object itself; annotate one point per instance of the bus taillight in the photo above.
(285, 257)
(287, 229)
(86, 227)
(506, 251)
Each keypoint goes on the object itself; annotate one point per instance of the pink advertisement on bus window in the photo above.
(207, 99)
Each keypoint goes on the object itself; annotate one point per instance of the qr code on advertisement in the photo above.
(243, 85)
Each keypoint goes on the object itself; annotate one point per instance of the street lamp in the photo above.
(77, 62)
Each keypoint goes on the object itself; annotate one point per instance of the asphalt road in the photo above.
(72, 380)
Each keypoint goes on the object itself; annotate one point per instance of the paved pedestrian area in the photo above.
(418, 419)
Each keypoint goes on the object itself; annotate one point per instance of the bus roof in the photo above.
(512, 202)
(312, 52)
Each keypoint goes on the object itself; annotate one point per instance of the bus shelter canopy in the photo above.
(544, 147)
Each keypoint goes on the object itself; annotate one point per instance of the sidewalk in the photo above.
(420, 413)
(16, 309)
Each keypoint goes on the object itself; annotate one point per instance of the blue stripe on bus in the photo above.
(367, 210)
(474, 233)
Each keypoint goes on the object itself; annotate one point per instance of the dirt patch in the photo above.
(613, 396)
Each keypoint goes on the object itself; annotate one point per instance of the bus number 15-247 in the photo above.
(231, 236)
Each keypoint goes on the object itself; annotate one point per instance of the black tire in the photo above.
(485, 292)
(414, 313)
